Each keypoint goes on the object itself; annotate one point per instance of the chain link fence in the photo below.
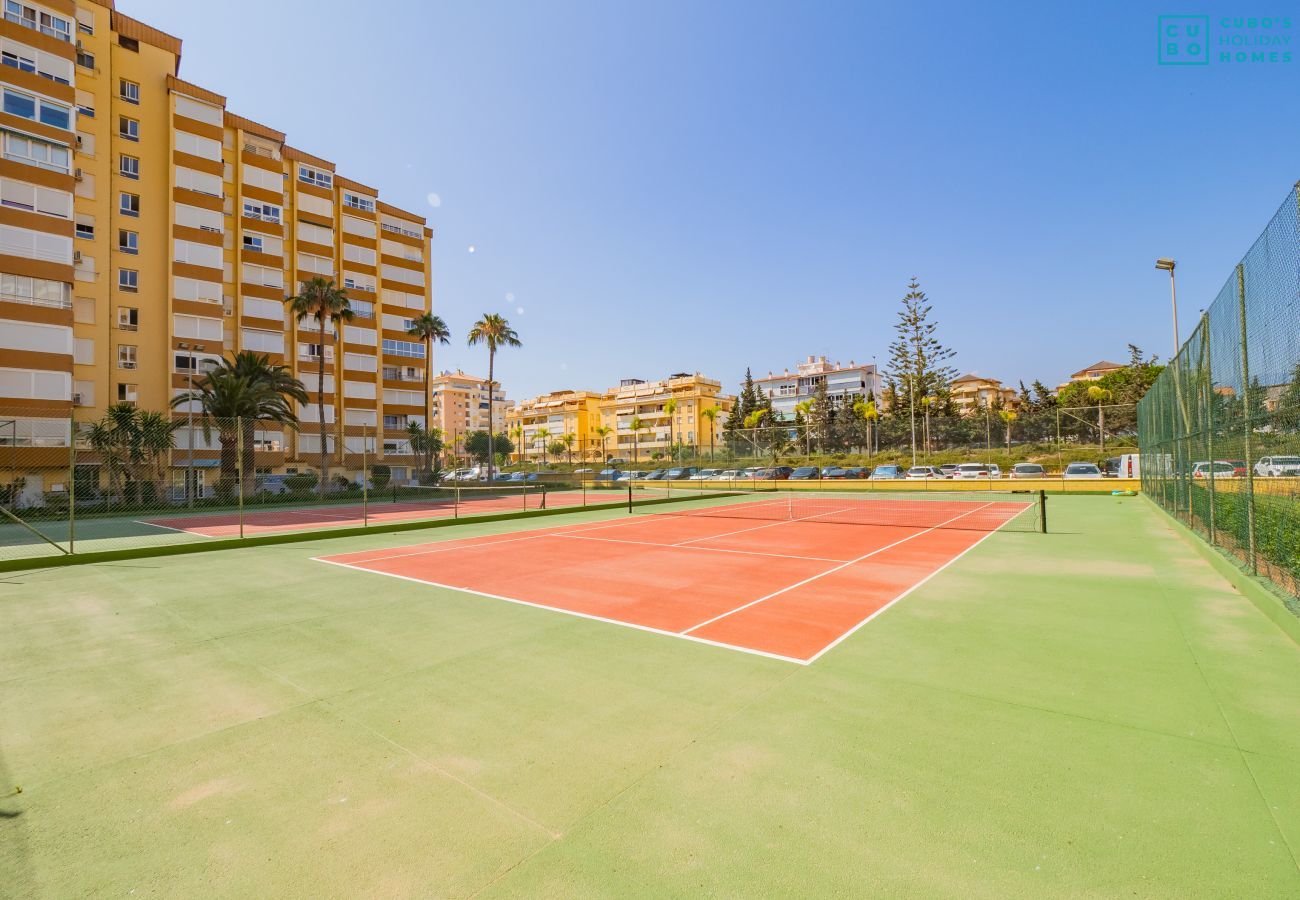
(1220, 429)
(129, 478)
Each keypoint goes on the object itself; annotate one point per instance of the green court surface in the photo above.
(1095, 712)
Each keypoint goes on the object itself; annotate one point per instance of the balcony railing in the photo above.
(55, 303)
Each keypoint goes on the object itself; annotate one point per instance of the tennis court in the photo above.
(787, 576)
(435, 503)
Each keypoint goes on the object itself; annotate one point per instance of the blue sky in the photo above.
(673, 186)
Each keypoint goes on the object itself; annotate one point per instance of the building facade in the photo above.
(146, 231)
(971, 394)
(1093, 372)
(534, 423)
(459, 406)
(647, 401)
(843, 383)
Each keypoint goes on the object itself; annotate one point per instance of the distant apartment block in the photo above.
(146, 231)
(1092, 372)
(647, 401)
(534, 423)
(460, 405)
(843, 383)
(971, 394)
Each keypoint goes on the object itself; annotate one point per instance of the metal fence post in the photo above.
(1209, 416)
(239, 470)
(365, 476)
(1246, 416)
(72, 481)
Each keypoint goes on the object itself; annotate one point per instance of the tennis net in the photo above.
(976, 511)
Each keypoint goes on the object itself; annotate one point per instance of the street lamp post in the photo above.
(1168, 265)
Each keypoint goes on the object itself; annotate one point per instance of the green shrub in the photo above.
(380, 475)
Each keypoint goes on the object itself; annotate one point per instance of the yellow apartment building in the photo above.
(146, 231)
(646, 400)
(972, 393)
(541, 420)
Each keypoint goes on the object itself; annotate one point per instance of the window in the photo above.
(261, 178)
(196, 254)
(36, 152)
(130, 167)
(85, 21)
(86, 230)
(197, 217)
(36, 291)
(185, 362)
(318, 177)
(404, 348)
(263, 275)
(128, 91)
(363, 255)
(128, 128)
(254, 243)
(357, 283)
(38, 109)
(38, 62)
(316, 234)
(202, 182)
(128, 241)
(127, 393)
(45, 23)
(127, 43)
(86, 60)
(128, 280)
(397, 227)
(195, 145)
(130, 204)
(362, 309)
(356, 201)
(128, 318)
(16, 241)
(33, 198)
(264, 212)
(125, 356)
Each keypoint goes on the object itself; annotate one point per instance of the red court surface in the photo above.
(378, 512)
(790, 589)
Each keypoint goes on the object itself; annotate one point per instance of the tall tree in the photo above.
(239, 392)
(321, 299)
(637, 425)
(710, 414)
(603, 432)
(822, 416)
(670, 410)
(494, 331)
(918, 360)
(430, 330)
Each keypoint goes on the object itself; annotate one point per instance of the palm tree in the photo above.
(804, 408)
(710, 415)
(430, 329)
(1101, 395)
(238, 393)
(496, 332)
(320, 299)
(568, 440)
(637, 425)
(603, 432)
(670, 408)
(426, 444)
(1008, 416)
(132, 445)
(517, 433)
(542, 435)
(868, 411)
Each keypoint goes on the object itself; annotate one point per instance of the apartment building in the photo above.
(533, 423)
(843, 383)
(973, 393)
(146, 231)
(646, 400)
(460, 405)
(1093, 372)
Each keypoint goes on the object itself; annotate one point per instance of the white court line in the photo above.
(816, 656)
(714, 537)
(528, 536)
(581, 537)
(170, 528)
(835, 569)
(571, 612)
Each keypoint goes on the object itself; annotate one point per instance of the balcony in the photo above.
(51, 302)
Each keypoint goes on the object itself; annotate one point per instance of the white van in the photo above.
(1130, 466)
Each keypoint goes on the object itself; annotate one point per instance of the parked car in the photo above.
(948, 469)
(887, 473)
(677, 474)
(631, 475)
(1110, 467)
(922, 473)
(994, 470)
(264, 484)
(857, 472)
(728, 475)
(1222, 469)
(1130, 465)
(656, 475)
(973, 471)
(518, 476)
(607, 475)
(1028, 470)
(616, 461)
(782, 472)
(1277, 466)
(583, 471)
(1081, 470)
(1238, 467)
(705, 474)
(804, 473)
(835, 472)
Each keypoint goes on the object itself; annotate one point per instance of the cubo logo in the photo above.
(1184, 40)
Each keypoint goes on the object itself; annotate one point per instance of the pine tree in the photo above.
(917, 359)
(822, 416)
